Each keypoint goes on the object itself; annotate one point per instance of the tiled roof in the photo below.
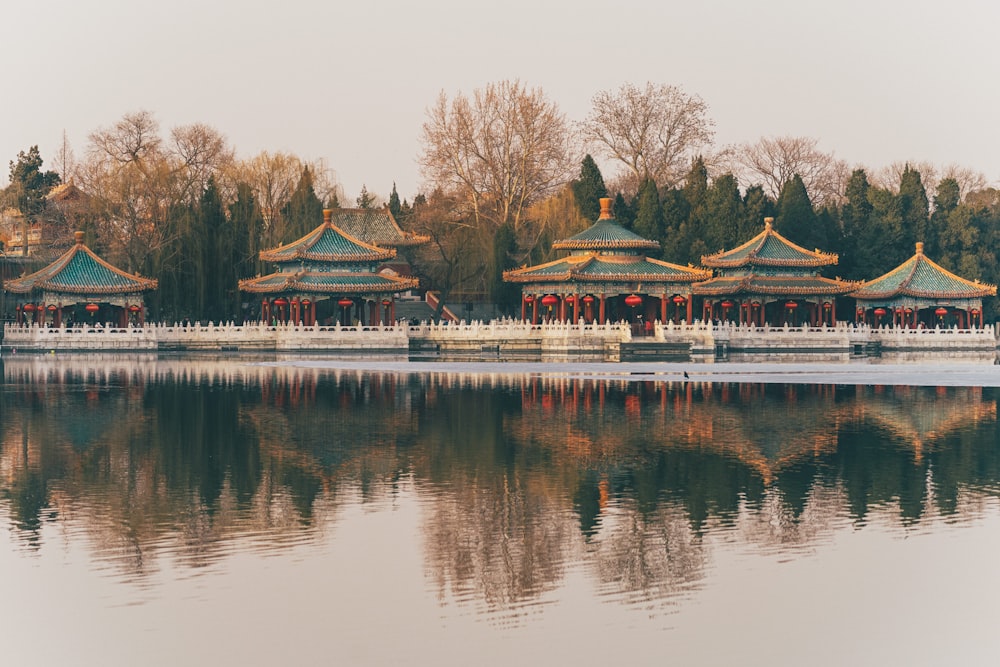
(375, 226)
(769, 248)
(327, 243)
(80, 271)
(314, 282)
(594, 267)
(605, 234)
(920, 277)
(778, 285)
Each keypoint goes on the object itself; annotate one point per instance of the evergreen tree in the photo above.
(796, 219)
(859, 247)
(589, 189)
(724, 213)
(624, 212)
(946, 200)
(914, 209)
(649, 215)
(395, 208)
(216, 255)
(304, 210)
(675, 213)
(247, 227)
(28, 187)
(365, 200)
(756, 206)
(505, 295)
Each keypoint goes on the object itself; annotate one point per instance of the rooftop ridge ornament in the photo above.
(606, 212)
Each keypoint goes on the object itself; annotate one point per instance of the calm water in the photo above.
(204, 512)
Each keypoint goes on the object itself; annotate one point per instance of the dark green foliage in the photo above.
(505, 295)
(756, 206)
(914, 211)
(304, 211)
(29, 184)
(796, 220)
(216, 254)
(247, 226)
(365, 199)
(724, 213)
(649, 222)
(623, 211)
(589, 189)
(395, 208)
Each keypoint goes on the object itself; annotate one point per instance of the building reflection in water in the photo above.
(518, 476)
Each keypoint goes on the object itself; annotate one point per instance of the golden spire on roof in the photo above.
(606, 213)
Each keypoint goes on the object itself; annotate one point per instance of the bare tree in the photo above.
(968, 180)
(272, 178)
(654, 132)
(501, 151)
(773, 161)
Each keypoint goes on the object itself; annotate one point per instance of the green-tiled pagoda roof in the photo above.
(920, 277)
(593, 267)
(769, 248)
(375, 226)
(80, 271)
(775, 285)
(606, 234)
(319, 282)
(327, 243)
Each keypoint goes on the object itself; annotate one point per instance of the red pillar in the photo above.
(600, 317)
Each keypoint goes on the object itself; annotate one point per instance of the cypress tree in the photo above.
(649, 214)
(724, 213)
(796, 219)
(914, 209)
(304, 210)
(395, 208)
(216, 255)
(589, 189)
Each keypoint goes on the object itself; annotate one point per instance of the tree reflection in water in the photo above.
(518, 475)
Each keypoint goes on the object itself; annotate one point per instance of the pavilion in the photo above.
(770, 279)
(79, 286)
(328, 274)
(606, 276)
(919, 292)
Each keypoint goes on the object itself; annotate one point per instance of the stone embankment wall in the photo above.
(515, 340)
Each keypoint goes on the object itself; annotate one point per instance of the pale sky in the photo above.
(874, 81)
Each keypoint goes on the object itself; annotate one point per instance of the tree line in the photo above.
(506, 174)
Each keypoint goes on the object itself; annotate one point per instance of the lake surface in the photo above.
(221, 512)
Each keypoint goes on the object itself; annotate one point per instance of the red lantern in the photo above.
(550, 300)
(755, 304)
(791, 305)
(861, 311)
(281, 301)
(727, 304)
(528, 298)
(826, 305)
(908, 311)
(588, 299)
(92, 308)
(345, 303)
(386, 302)
(134, 308)
(306, 302)
(52, 308)
(879, 312)
(974, 311)
(570, 299)
(941, 312)
(679, 299)
(633, 300)
(29, 307)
